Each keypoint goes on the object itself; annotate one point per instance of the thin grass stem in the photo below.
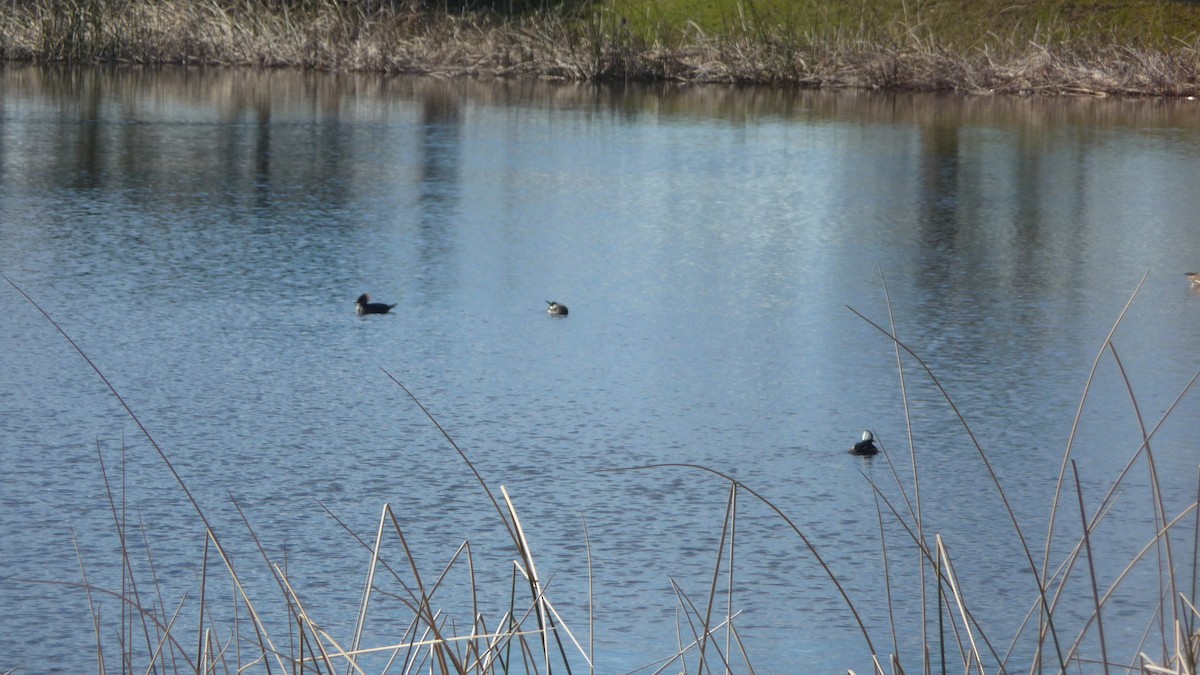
(1087, 387)
(260, 629)
(1087, 544)
(1160, 510)
(795, 528)
(361, 621)
(991, 473)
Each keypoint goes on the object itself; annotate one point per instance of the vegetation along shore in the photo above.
(1089, 47)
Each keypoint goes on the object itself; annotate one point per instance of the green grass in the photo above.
(953, 24)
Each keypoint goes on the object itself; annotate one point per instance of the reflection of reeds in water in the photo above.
(531, 635)
(815, 46)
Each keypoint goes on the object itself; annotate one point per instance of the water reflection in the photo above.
(440, 182)
(211, 229)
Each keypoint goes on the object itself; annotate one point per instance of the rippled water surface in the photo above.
(202, 235)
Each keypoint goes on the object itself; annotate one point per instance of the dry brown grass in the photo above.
(327, 35)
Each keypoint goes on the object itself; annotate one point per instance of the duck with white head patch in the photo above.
(866, 446)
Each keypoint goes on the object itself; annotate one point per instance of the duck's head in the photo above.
(363, 299)
(868, 436)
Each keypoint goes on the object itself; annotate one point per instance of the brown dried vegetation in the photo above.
(596, 44)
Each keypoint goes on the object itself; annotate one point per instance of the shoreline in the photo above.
(557, 46)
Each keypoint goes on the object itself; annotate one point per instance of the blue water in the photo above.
(201, 236)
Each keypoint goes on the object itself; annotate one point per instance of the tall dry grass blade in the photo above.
(97, 590)
(461, 453)
(1038, 581)
(912, 454)
(1191, 637)
(412, 604)
(795, 528)
(163, 635)
(1112, 588)
(1087, 544)
(206, 658)
(530, 571)
(92, 610)
(729, 580)
(433, 641)
(1196, 544)
(259, 628)
(424, 605)
(512, 529)
(477, 655)
(1110, 496)
(730, 510)
(262, 551)
(463, 549)
(361, 621)
(1166, 567)
(1192, 630)
(120, 523)
(200, 625)
(476, 615)
(1058, 575)
(1181, 652)
(700, 632)
(219, 650)
(934, 560)
(745, 653)
(960, 603)
(486, 656)
(591, 653)
(918, 538)
(1087, 387)
(1152, 621)
(160, 602)
(887, 578)
(946, 609)
(557, 625)
(941, 612)
(318, 634)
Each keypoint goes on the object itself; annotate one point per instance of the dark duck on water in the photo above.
(556, 309)
(866, 446)
(365, 306)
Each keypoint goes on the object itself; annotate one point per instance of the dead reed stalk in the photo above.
(593, 44)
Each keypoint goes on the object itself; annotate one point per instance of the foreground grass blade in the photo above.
(1037, 578)
(795, 528)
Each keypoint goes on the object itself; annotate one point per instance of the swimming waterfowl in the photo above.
(866, 446)
(556, 309)
(364, 306)
(1193, 277)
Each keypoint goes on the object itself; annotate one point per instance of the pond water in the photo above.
(202, 235)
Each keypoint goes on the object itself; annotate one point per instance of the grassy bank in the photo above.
(1132, 47)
